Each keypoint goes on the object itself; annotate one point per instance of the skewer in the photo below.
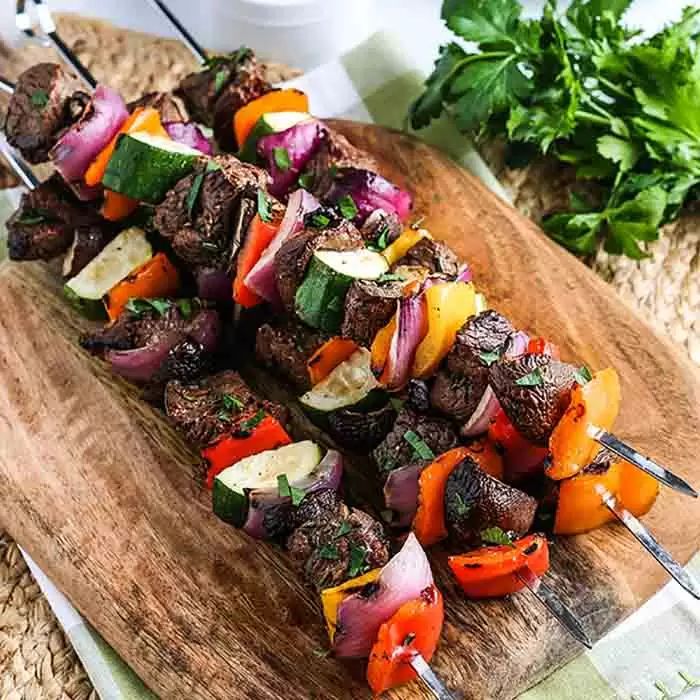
(48, 27)
(550, 600)
(197, 51)
(650, 543)
(7, 86)
(21, 169)
(429, 679)
(640, 461)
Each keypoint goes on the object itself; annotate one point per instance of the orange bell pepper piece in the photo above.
(381, 344)
(492, 572)
(328, 357)
(260, 233)
(229, 449)
(288, 100)
(429, 521)
(141, 119)
(595, 404)
(448, 306)
(408, 238)
(414, 628)
(117, 206)
(580, 507)
(156, 278)
(489, 459)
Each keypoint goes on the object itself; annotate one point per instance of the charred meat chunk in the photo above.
(206, 229)
(418, 396)
(361, 431)
(369, 306)
(46, 101)
(88, 241)
(331, 550)
(475, 501)
(286, 349)
(166, 104)
(397, 449)
(534, 391)
(318, 506)
(461, 382)
(382, 225)
(434, 255)
(293, 257)
(204, 409)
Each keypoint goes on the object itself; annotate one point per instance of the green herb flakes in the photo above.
(343, 529)
(306, 180)
(420, 448)
(232, 403)
(139, 306)
(461, 508)
(358, 561)
(286, 490)
(220, 79)
(488, 358)
(264, 211)
(496, 536)
(281, 158)
(40, 98)
(347, 207)
(319, 220)
(583, 375)
(390, 277)
(196, 186)
(329, 551)
(534, 378)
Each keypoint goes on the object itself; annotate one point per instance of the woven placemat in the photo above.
(36, 660)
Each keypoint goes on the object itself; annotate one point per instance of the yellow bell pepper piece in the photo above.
(448, 306)
(331, 598)
(396, 250)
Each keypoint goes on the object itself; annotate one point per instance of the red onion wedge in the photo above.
(401, 493)
(517, 345)
(261, 279)
(286, 153)
(214, 285)
(484, 413)
(326, 476)
(464, 274)
(189, 134)
(79, 146)
(205, 328)
(362, 614)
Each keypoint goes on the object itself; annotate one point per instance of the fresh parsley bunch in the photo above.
(587, 90)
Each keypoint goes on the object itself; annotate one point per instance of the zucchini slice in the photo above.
(320, 299)
(111, 265)
(351, 383)
(145, 167)
(259, 472)
(270, 123)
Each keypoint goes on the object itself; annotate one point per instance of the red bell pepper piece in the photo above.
(229, 448)
(541, 346)
(520, 457)
(260, 233)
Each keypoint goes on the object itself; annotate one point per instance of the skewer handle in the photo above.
(21, 169)
(197, 51)
(641, 462)
(429, 679)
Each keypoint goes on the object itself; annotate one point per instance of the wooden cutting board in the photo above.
(102, 493)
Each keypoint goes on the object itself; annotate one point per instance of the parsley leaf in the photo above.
(329, 551)
(220, 78)
(358, 561)
(497, 536)
(319, 220)
(232, 403)
(281, 158)
(461, 508)
(40, 98)
(419, 446)
(285, 489)
(344, 528)
(390, 277)
(248, 425)
(264, 207)
(139, 306)
(488, 358)
(534, 378)
(583, 375)
(196, 186)
(306, 180)
(347, 207)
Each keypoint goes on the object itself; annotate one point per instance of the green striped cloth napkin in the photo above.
(655, 653)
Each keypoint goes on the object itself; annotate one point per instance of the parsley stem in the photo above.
(614, 88)
(592, 118)
(474, 57)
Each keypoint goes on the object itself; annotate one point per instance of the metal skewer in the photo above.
(640, 461)
(429, 679)
(21, 169)
(650, 543)
(197, 51)
(48, 27)
(7, 86)
(550, 600)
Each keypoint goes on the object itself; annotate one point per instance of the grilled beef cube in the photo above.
(396, 451)
(461, 382)
(286, 349)
(214, 405)
(166, 104)
(475, 501)
(434, 255)
(382, 224)
(418, 396)
(358, 431)
(534, 391)
(43, 225)
(212, 234)
(46, 100)
(295, 254)
(338, 546)
(319, 506)
(369, 306)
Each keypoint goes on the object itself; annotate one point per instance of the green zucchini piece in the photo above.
(145, 167)
(93, 309)
(320, 299)
(270, 123)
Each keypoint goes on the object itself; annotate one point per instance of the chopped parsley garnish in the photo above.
(358, 561)
(397, 404)
(286, 490)
(347, 207)
(248, 425)
(390, 277)
(461, 508)
(185, 307)
(329, 551)
(232, 403)
(40, 98)
(333, 172)
(583, 375)
(264, 207)
(381, 242)
(344, 528)
(319, 220)
(534, 378)
(497, 536)
(139, 306)
(488, 358)
(220, 79)
(419, 446)
(281, 157)
(306, 180)
(234, 57)
(196, 186)
(31, 217)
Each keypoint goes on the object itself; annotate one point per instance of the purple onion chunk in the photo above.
(189, 134)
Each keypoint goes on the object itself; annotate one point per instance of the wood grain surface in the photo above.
(101, 492)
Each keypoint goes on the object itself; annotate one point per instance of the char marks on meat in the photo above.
(295, 254)
(396, 451)
(337, 543)
(464, 376)
(434, 255)
(382, 224)
(166, 103)
(286, 348)
(46, 101)
(207, 236)
(369, 306)
(534, 391)
(475, 501)
(217, 404)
